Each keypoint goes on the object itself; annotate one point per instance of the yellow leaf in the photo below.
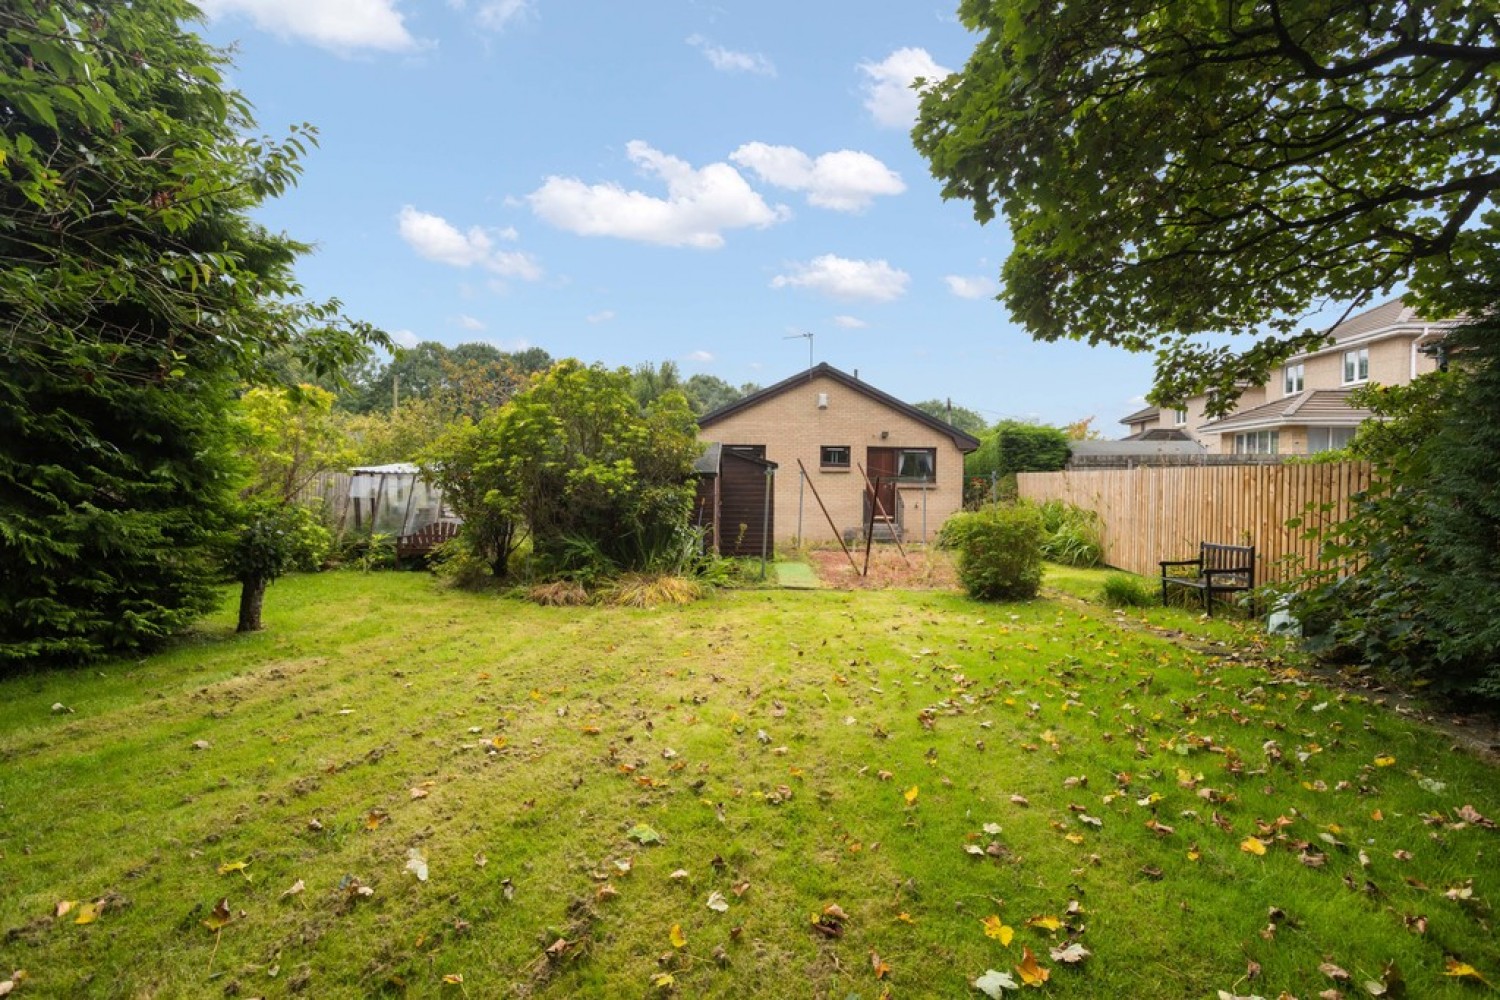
(1253, 845)
(87, 913)
(1032, 974)
(1457, 968)
(1073, 838)
(233, 866)
(910, 795)
(374, 818)
(995, 928)
(904, 917)
(454, 979)
(498, 742)
(1046, 923)
(1194, 854)
(1377, 816)
(879, 965)
(678, 941)
(1384, 761)
(663, 980)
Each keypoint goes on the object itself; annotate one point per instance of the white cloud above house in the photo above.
(470, 323)
(405, 338)
(849, 323)
(699, 357)
(845, 181)
(969, 288)
(700, 206)
(889, 96)
(729, 61)
(438, 240)
(842, 278)
(344, 26)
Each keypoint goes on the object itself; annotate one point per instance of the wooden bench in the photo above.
(421, 543)
(1221, 569)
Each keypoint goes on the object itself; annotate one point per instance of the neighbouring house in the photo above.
(841, 431)
(1306, 409)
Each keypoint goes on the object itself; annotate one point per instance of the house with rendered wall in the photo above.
(1306, 408)
(830, 438)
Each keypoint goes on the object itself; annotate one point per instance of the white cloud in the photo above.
(699, 206)
(969, 288)
(846, 181)
(405, 338)
(842, 278)
(702, 357)
(728, 61)
(849, 322)
(496, 15)
(436, 239)
(888, 92)
(340, 25)
(602, 316)
(470, 323)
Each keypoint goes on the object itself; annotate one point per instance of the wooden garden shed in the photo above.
(734, 502)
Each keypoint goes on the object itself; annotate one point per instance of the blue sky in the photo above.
(650, 181)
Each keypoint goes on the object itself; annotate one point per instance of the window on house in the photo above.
(1328, 438)
(1181, 417)
(1356, 365)
(834, 456)
(1294, 380)
(917, 464)
(1257, 443)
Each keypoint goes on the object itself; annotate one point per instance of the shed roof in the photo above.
(963, 442)
(393, 469)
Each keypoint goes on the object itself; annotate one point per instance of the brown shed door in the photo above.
(880, 464)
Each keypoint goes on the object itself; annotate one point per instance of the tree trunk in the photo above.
(252, 594)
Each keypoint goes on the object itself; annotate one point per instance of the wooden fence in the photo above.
(1154, 513)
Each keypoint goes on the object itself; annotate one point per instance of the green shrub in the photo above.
(999, 551)
(1121, 590)
(1073, 536)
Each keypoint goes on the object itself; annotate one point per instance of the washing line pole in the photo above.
(836, 533)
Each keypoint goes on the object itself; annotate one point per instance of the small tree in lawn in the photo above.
(263, 550)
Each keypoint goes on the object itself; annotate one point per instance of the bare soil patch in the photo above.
(920, 569)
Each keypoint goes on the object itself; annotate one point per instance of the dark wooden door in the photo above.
(881, 467)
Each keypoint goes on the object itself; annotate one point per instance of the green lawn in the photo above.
(921, 761)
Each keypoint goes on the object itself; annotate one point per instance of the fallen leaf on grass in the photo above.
(1469, 814)
(416, 863)
(993, 983)
(220, 917)
(297, 887)
(1253, 845)
(8, 985)
(880, 967)
(63, 907)
(740, 888)
(88, 913)
(1032, 974)
(454, 979)
(1333, 972)
(995, 928)
(419, 792)
(643, 834)
(717, 902)
(374, 818)
(1071, 954)
(1454, 967)
(606, 891)
(679, 875)
(234, 866)
(1015, 800)
(830, 923)
(677, 938)
(910, 795)
(1046, 923)
(663, 980)
(1385, 760)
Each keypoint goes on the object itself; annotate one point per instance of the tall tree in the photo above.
(967, 420)
(136, 296)
(1176, 168)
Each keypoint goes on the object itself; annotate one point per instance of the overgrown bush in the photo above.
(1073, 536)
(1122, 590)
(647, 590)
(999, 550)
(1014, 446)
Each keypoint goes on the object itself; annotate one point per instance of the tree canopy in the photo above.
(967, 420)
(1205, 166)
(136, 298)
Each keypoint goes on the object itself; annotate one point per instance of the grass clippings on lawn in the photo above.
(401, 791)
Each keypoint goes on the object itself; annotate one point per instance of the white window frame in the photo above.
(930, 454)
(1257, 443)
(1357, 366)
(1181, 417)
(845, 465)
(1294, 380)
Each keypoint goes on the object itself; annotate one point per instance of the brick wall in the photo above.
(791, 426)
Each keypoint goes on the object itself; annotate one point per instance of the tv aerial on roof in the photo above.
(809, 338)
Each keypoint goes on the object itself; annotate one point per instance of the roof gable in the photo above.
(963, 442)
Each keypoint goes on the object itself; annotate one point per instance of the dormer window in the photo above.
(1180, 417)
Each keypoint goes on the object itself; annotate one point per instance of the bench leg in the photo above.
(1208, 601)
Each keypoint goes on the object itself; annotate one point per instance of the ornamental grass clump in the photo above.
(1122, 590)
(999, 551)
